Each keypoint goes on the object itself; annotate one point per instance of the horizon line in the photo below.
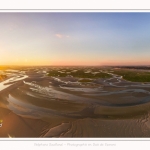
(70, 65)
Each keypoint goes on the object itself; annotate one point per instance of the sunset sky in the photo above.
(74, 38)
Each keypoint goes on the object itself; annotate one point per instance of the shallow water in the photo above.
(7, 83)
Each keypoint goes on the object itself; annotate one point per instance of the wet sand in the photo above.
(17, 126)
(41, 106)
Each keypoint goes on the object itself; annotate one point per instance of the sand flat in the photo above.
(42, 106)
(17, 126)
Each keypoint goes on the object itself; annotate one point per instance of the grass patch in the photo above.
(80, 73)
(133, 75)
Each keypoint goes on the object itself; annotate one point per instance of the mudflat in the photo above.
(36, 104)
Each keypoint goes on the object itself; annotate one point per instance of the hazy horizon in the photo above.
(74, 39)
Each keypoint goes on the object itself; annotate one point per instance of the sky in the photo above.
(94, 38)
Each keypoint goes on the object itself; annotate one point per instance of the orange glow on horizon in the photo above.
(69, 63)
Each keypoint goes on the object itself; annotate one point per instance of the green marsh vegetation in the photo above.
(133, 75)
(79, 73)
